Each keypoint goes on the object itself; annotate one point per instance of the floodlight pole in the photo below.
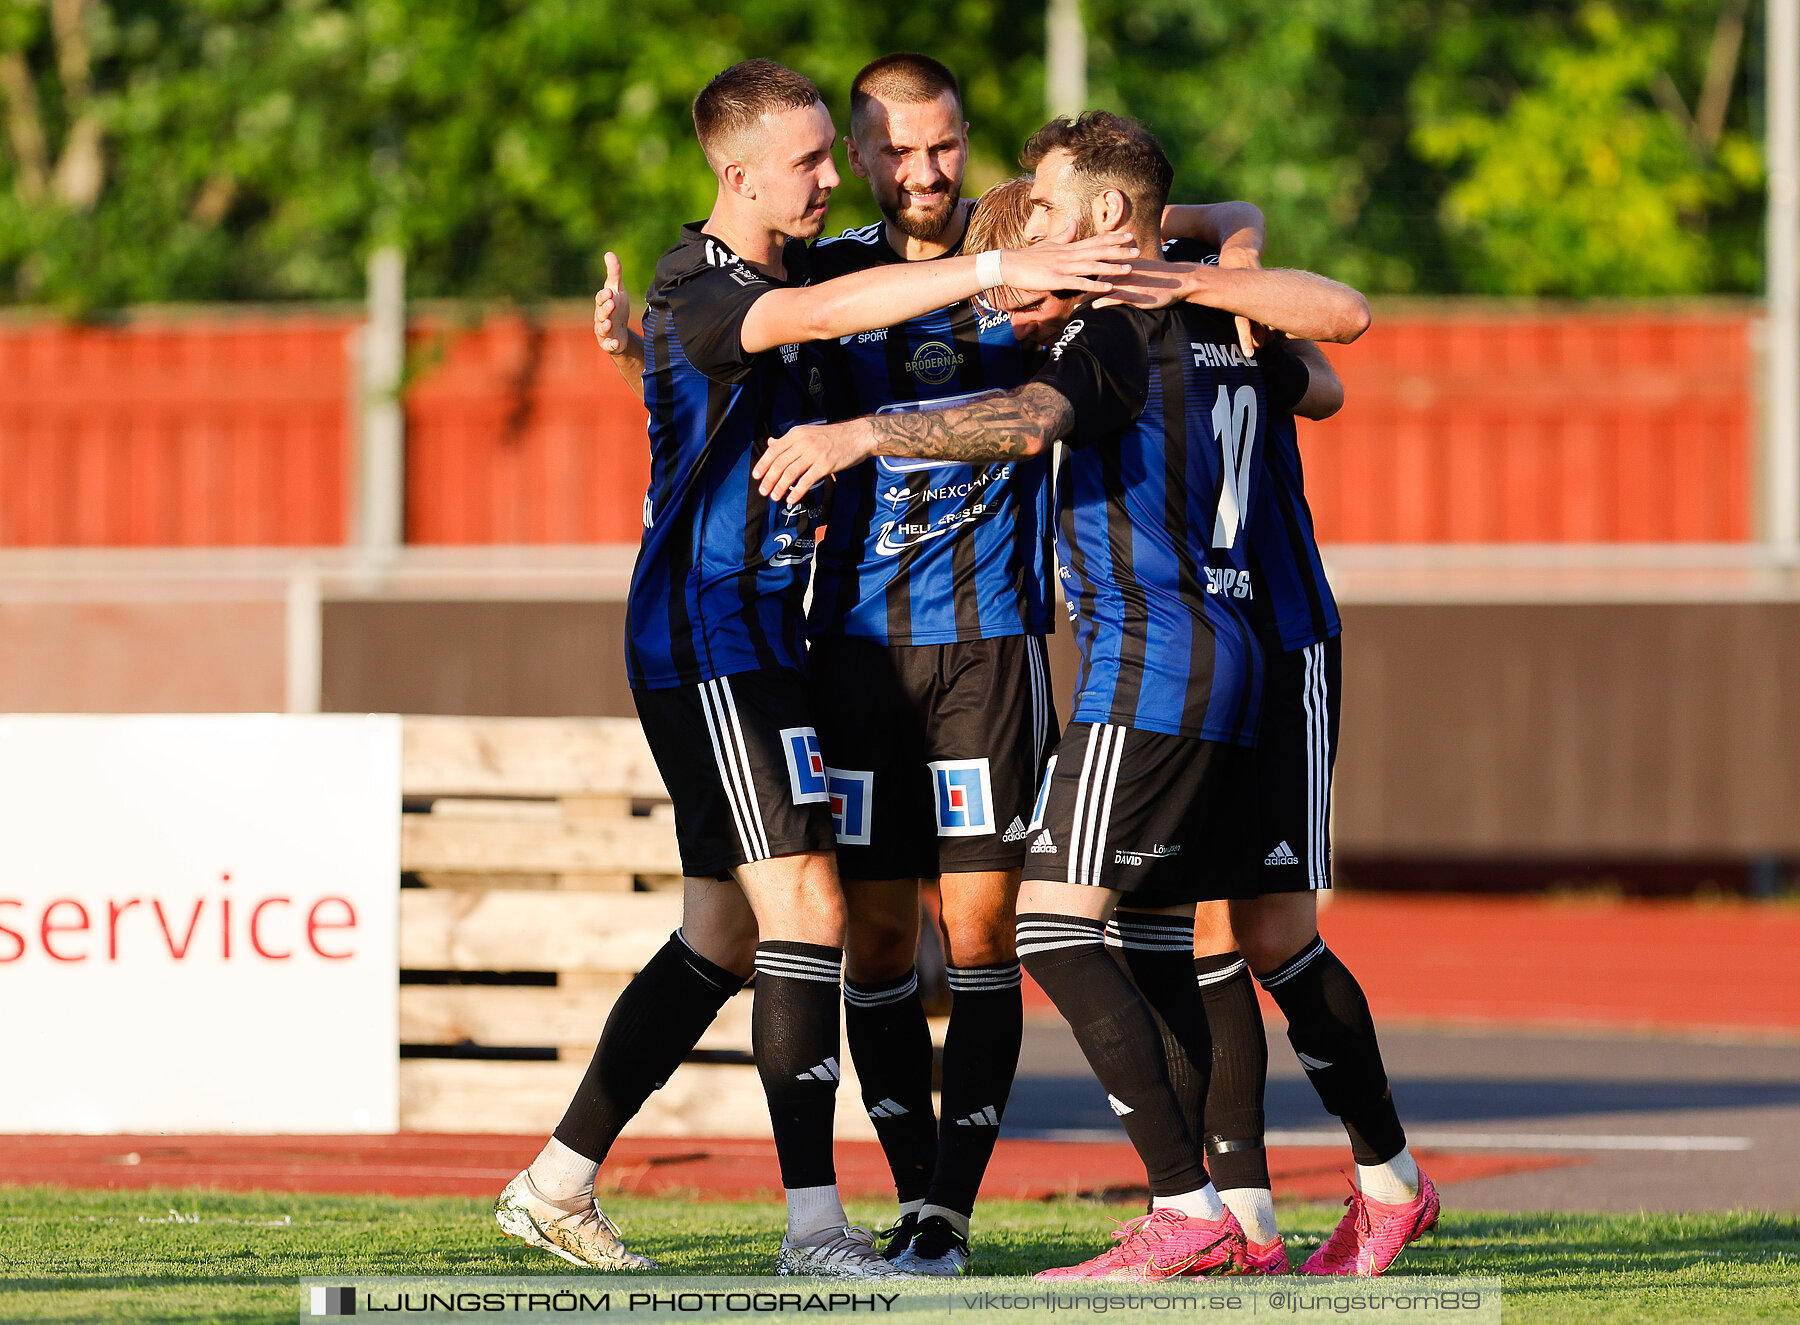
(1065, 58)
(381, 461)
(1781, 474)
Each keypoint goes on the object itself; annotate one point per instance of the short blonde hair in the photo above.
(1000, 216)
(999, 222)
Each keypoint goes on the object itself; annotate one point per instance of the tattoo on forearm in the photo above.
(998, 428)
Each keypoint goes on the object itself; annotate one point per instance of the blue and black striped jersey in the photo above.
(917, 551)
(1293, 608)
(1155, 490)
(720, 579)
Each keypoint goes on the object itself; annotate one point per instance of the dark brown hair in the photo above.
(1110, 152)
(903, 77)
(735, 100)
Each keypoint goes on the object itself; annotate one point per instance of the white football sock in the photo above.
(958, 1221)
(813, 1210)
(1255, 1210)
(1203, 1204)
(1393, 1183)
(561, 1175)
(911, 1207)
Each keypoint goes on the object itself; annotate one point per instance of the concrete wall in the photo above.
(1520, 730)
(206, 656)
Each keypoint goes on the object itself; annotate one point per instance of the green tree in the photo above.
(256, 149)
(1599, 151)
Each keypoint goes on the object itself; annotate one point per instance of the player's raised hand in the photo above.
(1082, 264)
(809, 454)
(612, 309)
(1251, 335)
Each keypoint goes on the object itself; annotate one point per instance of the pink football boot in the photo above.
(1163, 1244)
(1265, 1257)
(1372, 1233)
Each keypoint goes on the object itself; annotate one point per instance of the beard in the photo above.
(926, 224)
(1085, 227)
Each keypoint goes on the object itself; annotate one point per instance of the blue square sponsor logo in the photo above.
(852, 801)
(1043, 796)
(965, 797)
(806, 766)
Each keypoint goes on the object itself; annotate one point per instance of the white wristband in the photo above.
(987, 269)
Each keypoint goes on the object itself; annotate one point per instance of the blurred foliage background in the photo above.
(159, 150)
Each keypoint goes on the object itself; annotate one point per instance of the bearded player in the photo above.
(929, 679)
(1144, 801)
(716, 660)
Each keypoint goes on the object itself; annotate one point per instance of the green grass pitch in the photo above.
(229, 1256)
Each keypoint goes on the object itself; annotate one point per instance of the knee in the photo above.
(880, 945)
(738, 955)
(1267, 939)
(986, 939)
(1213, 930)
(724, 940)
(825, 910)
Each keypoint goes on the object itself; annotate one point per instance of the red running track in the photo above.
(1620, 965)
(416, 1164)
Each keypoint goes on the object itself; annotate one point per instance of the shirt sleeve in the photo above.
(1101, 366)
(1190, 250)
(709, 309)
(1285, 376)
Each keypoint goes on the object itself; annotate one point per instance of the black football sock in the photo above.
(1332, 1032)
(657, 1019)
(1119, 1036)
(794, 1031)
(981, 1054)
(890, 1043)
(1157, 951)
(1233, 1129)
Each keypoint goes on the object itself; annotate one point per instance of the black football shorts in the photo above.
(741, 760)
(1166, 819)
(1296, 748)
(934, 751)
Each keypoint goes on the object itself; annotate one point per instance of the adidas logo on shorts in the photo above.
(1282, 855)
(1014, 830)
(1043, 845)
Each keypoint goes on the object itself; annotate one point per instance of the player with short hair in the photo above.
(1296, 622)
(930, 678)
(1164, 418)
(1276, 933)
(716, 657)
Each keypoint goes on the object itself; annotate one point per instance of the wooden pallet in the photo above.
(548, 845)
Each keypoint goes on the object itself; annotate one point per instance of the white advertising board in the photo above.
(198, 923)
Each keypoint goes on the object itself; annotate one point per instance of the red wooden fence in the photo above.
(220, 430)
(1471, 426)
(520, 431)
(1471, 423)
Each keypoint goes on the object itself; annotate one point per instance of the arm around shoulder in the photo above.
(1324, 389)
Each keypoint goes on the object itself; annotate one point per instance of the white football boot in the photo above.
(937, 1250)
(837, 1253)
(581, 1237)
